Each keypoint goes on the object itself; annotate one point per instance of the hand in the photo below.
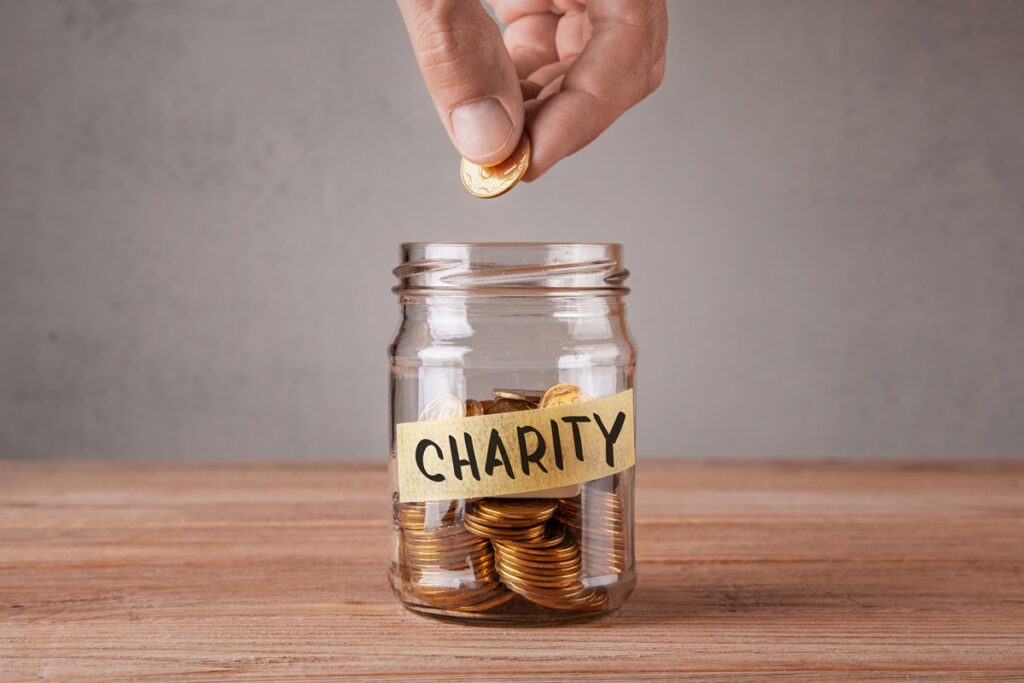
(566, 70)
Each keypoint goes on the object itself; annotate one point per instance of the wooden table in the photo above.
(275, 572)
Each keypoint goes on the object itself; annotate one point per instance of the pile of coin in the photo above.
(597, 522)
(548, 572)
(446, 406)
(446, 565)
(510, 520)
(477, 555)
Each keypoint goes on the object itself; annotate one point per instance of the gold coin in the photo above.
(539, 581)
(447, 541)
(444, 596)
(438, 535)
(556, 595)
(526, 589)
(563, 552)
(518, 533)
(509, 405)
(500, 599)
(555, 539)
(422, 519)
(442, 408)
(492, 181)
(474, 408)
(531, 395)
(456, 556)
(425, 559)
(585, 601)
(522, 508)
(563, 395)
(541, 566)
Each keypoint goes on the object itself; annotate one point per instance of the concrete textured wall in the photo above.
(201, 202)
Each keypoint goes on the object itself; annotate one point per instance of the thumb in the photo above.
(469, 74)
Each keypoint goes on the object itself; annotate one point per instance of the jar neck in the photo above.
(511, 269)
(504, 305)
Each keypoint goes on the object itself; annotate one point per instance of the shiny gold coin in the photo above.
(556, 598)
(443, 407)
(563, 395)
(518, 533)
(445, 576)
(480, 566)
(547, 566)
(509, 405)
(518, 508)
(474, 408)
(453, 537)
(551, 561)
(531, 395)
(498, 600)
(526, 588)
(532, 582)
(441, 596)
(485, 519)
(527, 549)
(423, 519)
(492, 181)
(551, 540)
(488, 518)
(561, 552)
(424, 558)
(436, 535)
(465, 542)
(585, 601)
(539, 579)
(424, 541)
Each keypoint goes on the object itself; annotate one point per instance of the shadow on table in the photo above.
(719, 592)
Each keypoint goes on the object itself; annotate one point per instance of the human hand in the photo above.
(564, 69)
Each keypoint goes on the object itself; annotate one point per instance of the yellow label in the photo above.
(529, 450)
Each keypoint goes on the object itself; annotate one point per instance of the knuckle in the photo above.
(449, 37)
(656, 43)
(657, 76)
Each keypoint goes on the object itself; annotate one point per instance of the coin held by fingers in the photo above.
(487, 182)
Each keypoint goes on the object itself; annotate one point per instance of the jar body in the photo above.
(479, 344)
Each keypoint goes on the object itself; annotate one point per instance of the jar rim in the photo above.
(617, 245)
(525, 268)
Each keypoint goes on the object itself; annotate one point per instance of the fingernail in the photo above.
(481, 128)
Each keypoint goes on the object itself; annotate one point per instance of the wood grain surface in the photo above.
(747, 571)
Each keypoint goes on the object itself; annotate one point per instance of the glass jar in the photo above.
(510, 339)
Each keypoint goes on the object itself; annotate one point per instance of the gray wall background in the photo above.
(201, 202)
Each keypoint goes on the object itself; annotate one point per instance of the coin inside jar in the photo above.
(531, 395)
(443, 407)
(447, 566)
(509, 405)
(562, 395)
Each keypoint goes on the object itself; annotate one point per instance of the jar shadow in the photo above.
(671, 597)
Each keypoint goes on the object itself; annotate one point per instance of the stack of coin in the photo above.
(509, 519)
(597, 522)
(535, 559)
(447, 566)
(547, 572)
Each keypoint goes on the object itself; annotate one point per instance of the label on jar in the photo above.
(518, 452)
